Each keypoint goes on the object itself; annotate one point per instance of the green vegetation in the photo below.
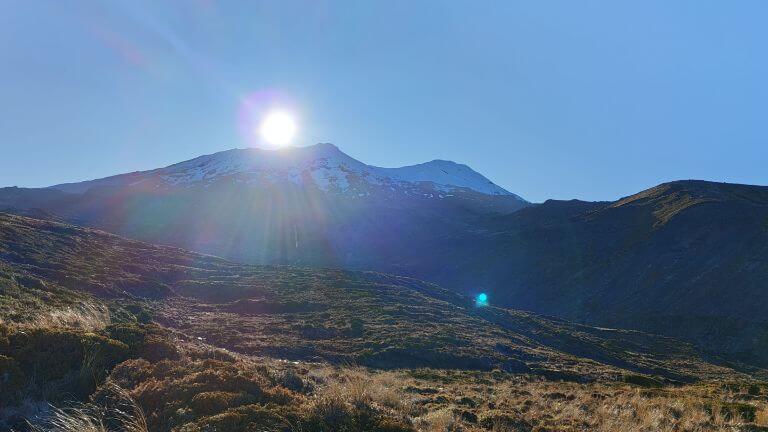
(57, 364)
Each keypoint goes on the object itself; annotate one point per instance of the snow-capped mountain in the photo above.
(322, 166)
(303, 205)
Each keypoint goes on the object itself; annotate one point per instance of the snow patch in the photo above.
(323, 166)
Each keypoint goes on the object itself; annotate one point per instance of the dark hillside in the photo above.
(687, 259)
(286, 312)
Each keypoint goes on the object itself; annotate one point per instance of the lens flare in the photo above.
(481, 299)
(278, 128)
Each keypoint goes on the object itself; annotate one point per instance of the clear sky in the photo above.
(549, 99)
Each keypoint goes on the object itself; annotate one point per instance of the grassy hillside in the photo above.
(687, 259)
(270, 348)
(366, 318)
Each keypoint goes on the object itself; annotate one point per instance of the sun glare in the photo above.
(278, 128)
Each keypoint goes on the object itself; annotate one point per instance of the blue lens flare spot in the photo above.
(481, 299)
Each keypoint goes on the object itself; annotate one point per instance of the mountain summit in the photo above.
(298, 205)
(321, 166)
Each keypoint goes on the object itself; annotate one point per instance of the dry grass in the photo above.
(72, 420)
(469, 401)
(356, 388)
(311, 394)
(761, 417)
(443, 420)
(91, 317)
(121, 413)
(88, 316)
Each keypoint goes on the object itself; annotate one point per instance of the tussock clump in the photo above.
(202, 395)
(88, 316)
(179, 392)
(117, 412)
(53, 364)
(61, 361)
(149, 342)
(442, 420)
(357, 400)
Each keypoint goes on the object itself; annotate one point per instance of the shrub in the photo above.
(148, 342)
(48, 354)
(5, 331)
(332, 413)
(142, 314)
(64, 363)
(159, 348)
(131, 373)
(244, 418)
(176, 392)
(642, 381)
(291, 380)
(356, 327)
(737, 410)
(213, 402)
(11, 381)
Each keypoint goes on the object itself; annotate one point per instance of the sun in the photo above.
(278, 128)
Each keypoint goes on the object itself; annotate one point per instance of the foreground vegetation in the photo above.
(98, 333)
(139, 377)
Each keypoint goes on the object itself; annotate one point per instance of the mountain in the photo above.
(687, 259)
(322, 166)
(311, 206)
(366, 318)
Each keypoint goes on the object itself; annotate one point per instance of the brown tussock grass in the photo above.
(517, 403)
(87, 316)
(123, 413)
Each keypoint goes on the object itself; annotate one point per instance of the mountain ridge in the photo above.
(687, 259)
(321, 165)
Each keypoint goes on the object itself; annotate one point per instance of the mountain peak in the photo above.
(699, 191)
(323, 166)
(323, 146)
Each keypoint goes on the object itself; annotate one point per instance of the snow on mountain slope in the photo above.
(323, 166)
(446, 174)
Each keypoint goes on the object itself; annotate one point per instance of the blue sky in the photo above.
(550, 99)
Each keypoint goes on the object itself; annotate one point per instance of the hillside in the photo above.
(78, 314)
(329, 315)
(684, 259)
(687, 259)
